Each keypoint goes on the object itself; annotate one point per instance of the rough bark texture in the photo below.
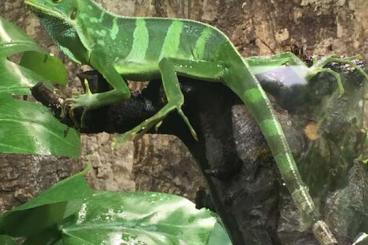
(158, 167)
(112, 167)
(161, 162)
(23, 176)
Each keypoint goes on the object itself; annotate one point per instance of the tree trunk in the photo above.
(256, 27)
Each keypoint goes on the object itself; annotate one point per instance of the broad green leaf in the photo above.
(49, 67)
(48, 209)
(74, 187)
(16, 79)
(27, 127)
(6, 240)
(141, 218)
(70, 213)
(33, 221)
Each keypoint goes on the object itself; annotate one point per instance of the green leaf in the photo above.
(48, 209)
(49, 67)
(74, 187)
(15, 79)
(142, 218)
(70, 213)
(27, 127)
(7, 240)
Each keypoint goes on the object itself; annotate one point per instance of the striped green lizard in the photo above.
(137, 48)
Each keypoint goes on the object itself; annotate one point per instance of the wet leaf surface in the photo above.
(38, 64)
(69, 213)
(27, 127)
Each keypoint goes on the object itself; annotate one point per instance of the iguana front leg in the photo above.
(119, 92)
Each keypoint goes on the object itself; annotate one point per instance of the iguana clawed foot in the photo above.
(85, 101)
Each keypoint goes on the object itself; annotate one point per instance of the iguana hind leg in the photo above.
(320, 67)
(169, 69)
(317, 70)
(286, 58)
(175, 101)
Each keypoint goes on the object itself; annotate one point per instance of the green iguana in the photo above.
(138, 48)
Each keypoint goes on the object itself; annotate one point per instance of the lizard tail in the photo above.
(239, 78)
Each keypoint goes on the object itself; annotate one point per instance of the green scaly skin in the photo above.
(147, 48)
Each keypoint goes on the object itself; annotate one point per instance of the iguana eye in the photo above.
(73, 14)
(57, 1)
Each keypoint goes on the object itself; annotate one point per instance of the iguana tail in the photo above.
(239, 78)
(246, 86)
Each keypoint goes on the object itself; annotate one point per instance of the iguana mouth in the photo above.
(40, 14)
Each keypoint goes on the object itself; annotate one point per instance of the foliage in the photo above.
(7, 240)
(27, 127)
(37, 65)
(71, 213)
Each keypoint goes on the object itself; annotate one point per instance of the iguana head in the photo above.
(66, 10)
(59, 18)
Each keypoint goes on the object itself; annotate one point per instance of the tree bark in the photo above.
(256, 27)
